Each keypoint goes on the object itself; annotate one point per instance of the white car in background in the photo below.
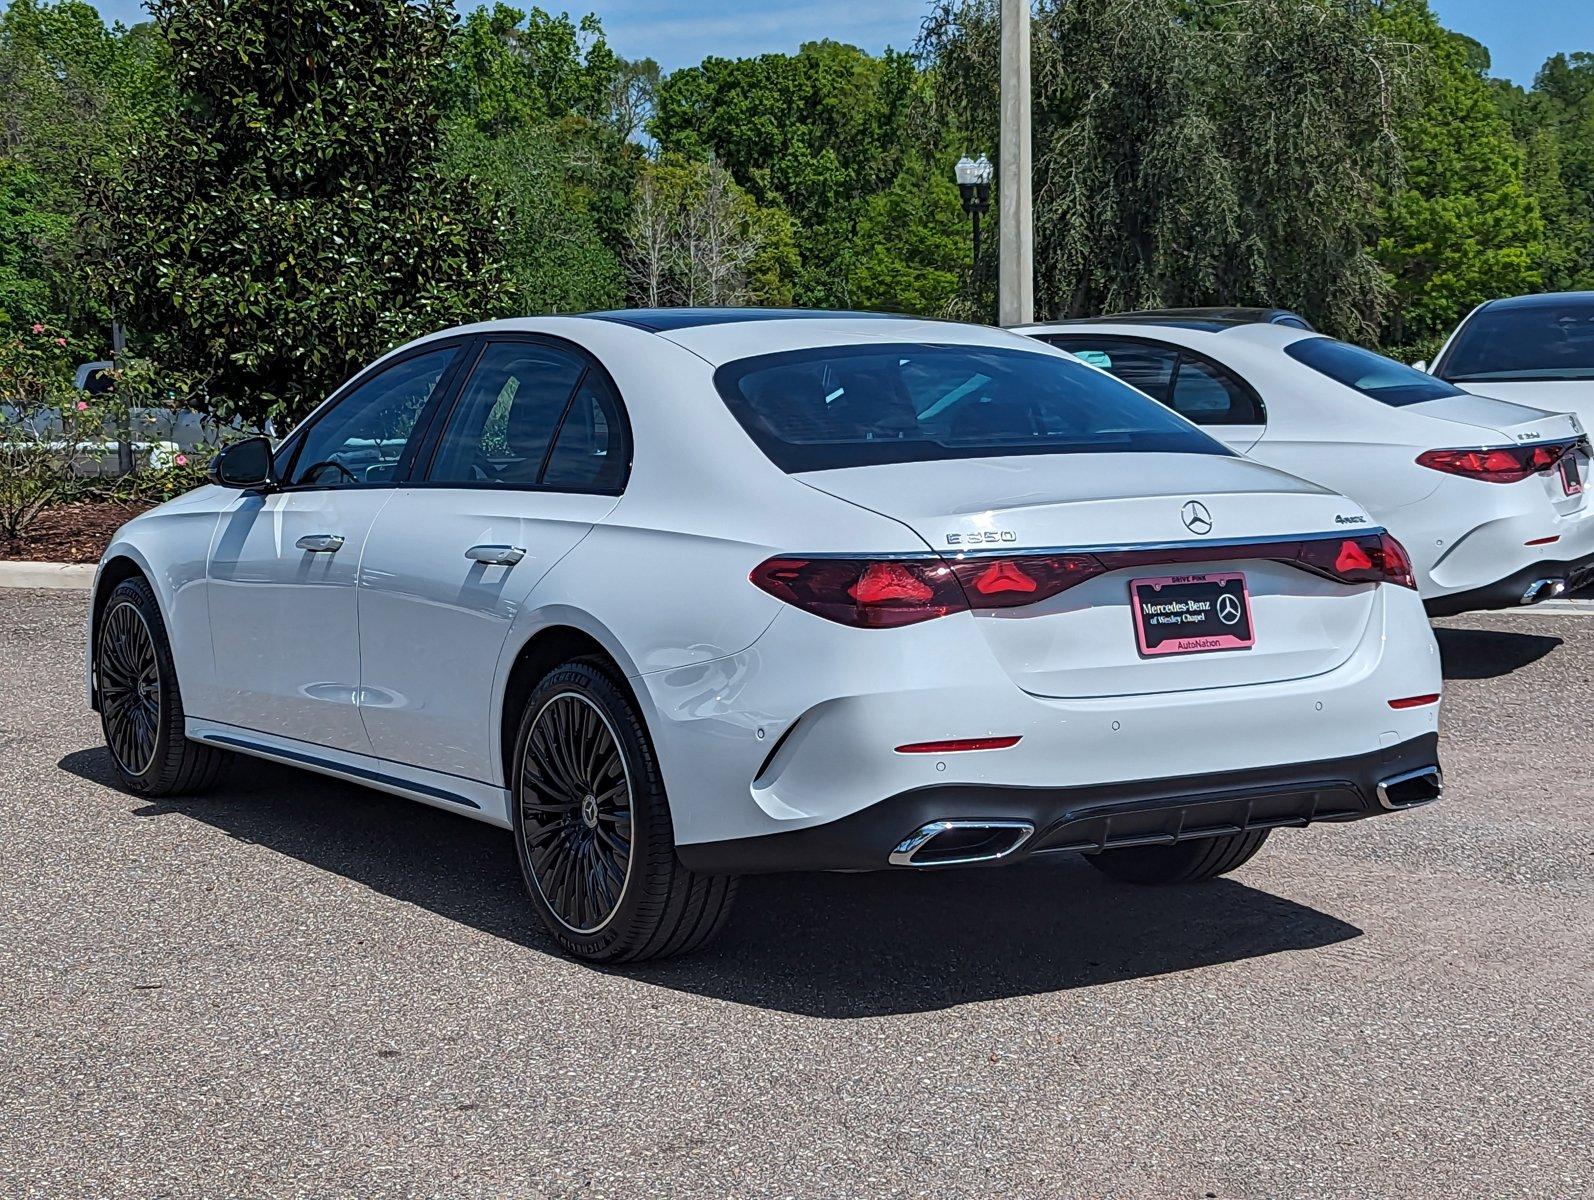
(683, 594)
(1487, 495)
(1536, 350)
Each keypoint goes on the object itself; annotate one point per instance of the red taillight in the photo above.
(871, 594)
(958, 745)
(1498, 464)
(1368, 558)
(1007, 582)
(1415, 701)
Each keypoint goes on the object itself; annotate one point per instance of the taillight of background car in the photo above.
(1501, 464)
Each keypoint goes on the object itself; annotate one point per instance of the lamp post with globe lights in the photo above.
(974, 184)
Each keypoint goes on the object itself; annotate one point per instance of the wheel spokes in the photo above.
(130, 688)
(575, 810)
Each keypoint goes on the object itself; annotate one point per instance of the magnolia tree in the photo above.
(291, 218)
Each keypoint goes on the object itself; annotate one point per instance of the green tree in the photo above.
(819, 133)
(1190, 153)
(72, 91)
(1562, 118)
(1464, 225)
(290, 216)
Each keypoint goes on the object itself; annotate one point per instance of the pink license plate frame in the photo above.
(1212, 635)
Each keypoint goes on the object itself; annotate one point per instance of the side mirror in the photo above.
(246, 465)
(1420, 365)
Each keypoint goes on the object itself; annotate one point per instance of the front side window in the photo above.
(851, 406)
(1373, 375)
(507, 414)
(360, 440)
(1538, 342)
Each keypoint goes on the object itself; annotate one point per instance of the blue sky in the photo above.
(1520, 34)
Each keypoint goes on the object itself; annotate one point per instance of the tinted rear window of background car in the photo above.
(1383, 379)
(855, 406)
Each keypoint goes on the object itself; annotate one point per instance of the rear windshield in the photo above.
(1531, 343)
(814, 410)
(1384, 379)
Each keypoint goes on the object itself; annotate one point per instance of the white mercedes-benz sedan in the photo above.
(1487, 495)
(1536, 350)
(679, 595)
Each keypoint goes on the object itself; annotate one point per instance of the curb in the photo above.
(57, 576)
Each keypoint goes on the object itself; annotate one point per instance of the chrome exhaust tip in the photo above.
(1411, 788)
(1543, 589)
(958, 843)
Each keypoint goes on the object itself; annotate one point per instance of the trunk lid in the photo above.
(1082, 642)
(1498, 422)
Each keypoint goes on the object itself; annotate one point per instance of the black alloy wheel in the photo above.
(130, 688)
(593, 830)
(575, 803)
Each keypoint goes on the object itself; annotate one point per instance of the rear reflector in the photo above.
(1545, 541)
(1499, 464)
(957, 745)
(1415, 701)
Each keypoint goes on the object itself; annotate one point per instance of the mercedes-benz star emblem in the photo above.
(1197, 519)
(1228, 609)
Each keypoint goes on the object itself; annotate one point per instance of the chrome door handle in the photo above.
(496, 556)
(321, 543)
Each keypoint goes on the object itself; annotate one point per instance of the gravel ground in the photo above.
(292, 987)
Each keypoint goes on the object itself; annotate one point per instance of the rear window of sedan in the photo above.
(1383, 379)
(1532, 342)
(857, 406)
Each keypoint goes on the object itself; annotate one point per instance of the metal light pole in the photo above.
(974, 184)
(1016, 220)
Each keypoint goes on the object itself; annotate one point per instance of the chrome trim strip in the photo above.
(1136, 547)
(356, 774)
(1012, 549)
(910, 846)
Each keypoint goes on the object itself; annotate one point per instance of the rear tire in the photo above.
(593, 831)
(1183, 862)
(141, 706)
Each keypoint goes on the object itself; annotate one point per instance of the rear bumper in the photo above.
(1526, 586)
(1093, 818)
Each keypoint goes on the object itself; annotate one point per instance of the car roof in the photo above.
(720, 335)
(1539, 300)
(1210, 320)
(1185, 333)
(667, 320)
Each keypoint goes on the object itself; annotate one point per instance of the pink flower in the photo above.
(181, 460)
(82, 405)
(37, 328)
(60, 341)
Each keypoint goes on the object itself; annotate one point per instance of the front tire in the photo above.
(141, 707)
(1183, 862)
(593, 831)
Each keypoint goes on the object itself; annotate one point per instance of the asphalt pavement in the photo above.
(295, 987)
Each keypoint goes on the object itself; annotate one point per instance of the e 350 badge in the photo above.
(981, 537)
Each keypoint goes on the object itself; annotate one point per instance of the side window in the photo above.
(1149, 368)
(506, 416)
(1208, 395)
(361, 438)
(589, 454)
